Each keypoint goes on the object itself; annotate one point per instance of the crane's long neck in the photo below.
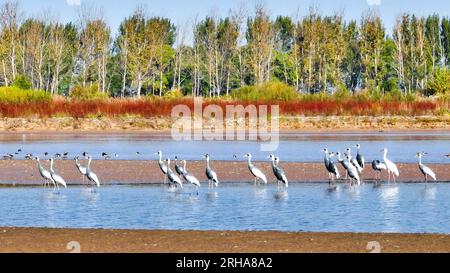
(184, 165)
(51, 166)
(89, 163)
(420, 160)
(326, 155)
(39, 164)
(160, 158)
(273, 162)
(385, 155)
(249, 160)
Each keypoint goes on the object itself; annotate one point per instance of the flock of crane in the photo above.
(52, 177)
(353, 167)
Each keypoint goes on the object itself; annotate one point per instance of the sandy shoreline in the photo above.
(166, 241)
(111, 172)
(155, 124)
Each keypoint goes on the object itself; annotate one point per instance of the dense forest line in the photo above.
(151, 56)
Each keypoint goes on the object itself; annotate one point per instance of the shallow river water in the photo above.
(302, 207)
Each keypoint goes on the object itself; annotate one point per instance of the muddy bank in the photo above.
(157, 241)
(25, 172)
(128, 123)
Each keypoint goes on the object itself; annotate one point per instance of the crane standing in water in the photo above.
(426, 171)
(56, 177)
(257, 173)
(391, 167)
(278, 172)
(44, 173)
(210, 174)
(162, 166)
(90, 174)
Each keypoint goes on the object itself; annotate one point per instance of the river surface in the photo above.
(299, 147)
(402, 207)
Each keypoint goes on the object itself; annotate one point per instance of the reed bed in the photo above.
(155, 107)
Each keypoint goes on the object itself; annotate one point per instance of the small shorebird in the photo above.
(107, 156)
(8, 156)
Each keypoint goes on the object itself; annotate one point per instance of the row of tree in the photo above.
(150, 55)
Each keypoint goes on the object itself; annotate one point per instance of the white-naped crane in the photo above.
(257, 173)
(425, 170)
(277, 171)
(343, 163)
(330, 166)
(210, 174)
(326, 162)
(81, 169)
(90, 174)
(333, 169)
(189, 177)
(173, 178)
(56, 177)
(391, 167)
(180, 170)
(354, 161)
(353, 172)
(162, 166)
(44, 173)
(378, 167)
(360, 157)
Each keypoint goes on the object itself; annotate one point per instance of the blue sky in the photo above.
(182, 10)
